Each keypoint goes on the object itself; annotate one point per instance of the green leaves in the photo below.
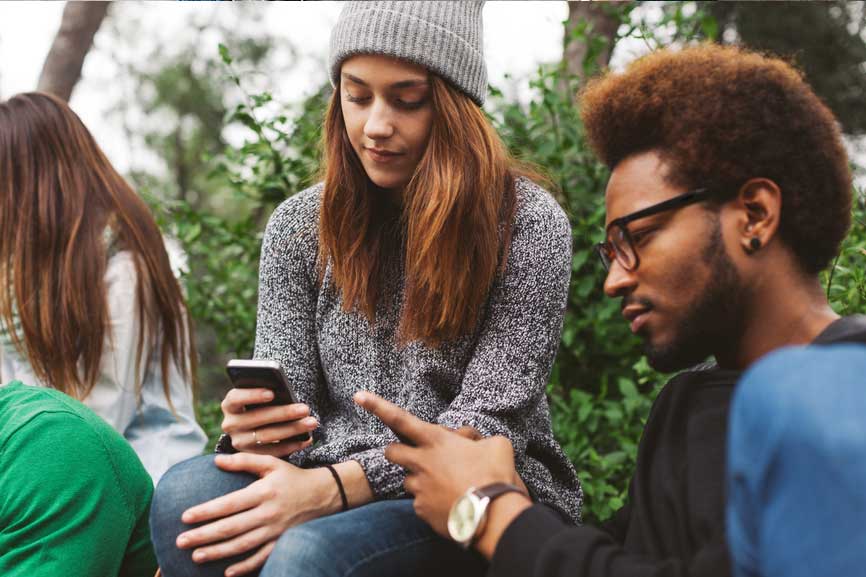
(600, 432)
(222, 283)
(845, 280)
(627, 389)
(224, 55)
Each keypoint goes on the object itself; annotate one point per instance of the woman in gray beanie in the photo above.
(427, 267)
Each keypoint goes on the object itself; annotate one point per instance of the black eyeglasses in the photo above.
(619, 245)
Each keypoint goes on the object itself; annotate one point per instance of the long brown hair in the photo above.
(58, 193)
(455, 220)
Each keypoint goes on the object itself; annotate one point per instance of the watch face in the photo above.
(462, 520)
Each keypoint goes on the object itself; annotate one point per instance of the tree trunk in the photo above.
(602, 20)
(62, 68)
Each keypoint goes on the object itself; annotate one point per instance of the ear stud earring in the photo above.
(754, 245)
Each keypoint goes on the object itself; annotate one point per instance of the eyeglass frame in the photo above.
(679, 201)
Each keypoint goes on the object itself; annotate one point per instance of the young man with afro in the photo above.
(729, 192)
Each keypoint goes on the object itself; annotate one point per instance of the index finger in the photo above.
(237, 399)
(404, 424)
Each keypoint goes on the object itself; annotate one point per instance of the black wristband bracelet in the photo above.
(339, 486)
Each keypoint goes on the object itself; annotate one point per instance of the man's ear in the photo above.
(759, 202)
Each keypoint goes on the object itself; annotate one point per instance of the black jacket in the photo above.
(673, 524)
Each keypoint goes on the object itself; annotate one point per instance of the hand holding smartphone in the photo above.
(267, 374)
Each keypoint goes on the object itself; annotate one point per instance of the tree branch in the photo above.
(62, 68)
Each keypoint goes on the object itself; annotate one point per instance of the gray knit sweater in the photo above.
(493, 380)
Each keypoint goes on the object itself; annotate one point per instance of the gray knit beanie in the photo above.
(444, 37)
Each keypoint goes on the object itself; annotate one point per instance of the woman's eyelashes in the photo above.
(356, 99)
(410, 104)
(403, 103)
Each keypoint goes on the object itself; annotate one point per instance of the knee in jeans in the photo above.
(307, 549)
(178, 488)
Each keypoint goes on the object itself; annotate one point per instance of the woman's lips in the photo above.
(383, 156)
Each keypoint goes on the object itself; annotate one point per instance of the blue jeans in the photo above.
(797, 464)
(381, 539)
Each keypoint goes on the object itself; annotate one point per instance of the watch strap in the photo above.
(498, 489)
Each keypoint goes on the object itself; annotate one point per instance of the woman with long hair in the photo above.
(426, 267)
(88, 301)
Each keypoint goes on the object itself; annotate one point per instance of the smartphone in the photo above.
(264, 374)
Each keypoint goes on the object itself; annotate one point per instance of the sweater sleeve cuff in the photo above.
(522, 542)
(385, 478)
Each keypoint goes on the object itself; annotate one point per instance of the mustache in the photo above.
(633, 300)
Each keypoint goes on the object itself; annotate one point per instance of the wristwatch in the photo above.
(468, 515)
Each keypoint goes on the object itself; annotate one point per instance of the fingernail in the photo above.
(309, 422)
(199, 556)
(360, 396)
(267, 395)
(182, 541)
(231, 572)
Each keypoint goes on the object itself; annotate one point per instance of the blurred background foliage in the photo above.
(214, 194)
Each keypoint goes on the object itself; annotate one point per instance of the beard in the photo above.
(711, 322)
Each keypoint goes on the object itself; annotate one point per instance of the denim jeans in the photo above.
(381, 539)
(797, 464)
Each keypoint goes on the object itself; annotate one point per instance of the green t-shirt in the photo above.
(74, 498)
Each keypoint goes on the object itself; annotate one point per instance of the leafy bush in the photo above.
(846, 279)
(278, 158)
